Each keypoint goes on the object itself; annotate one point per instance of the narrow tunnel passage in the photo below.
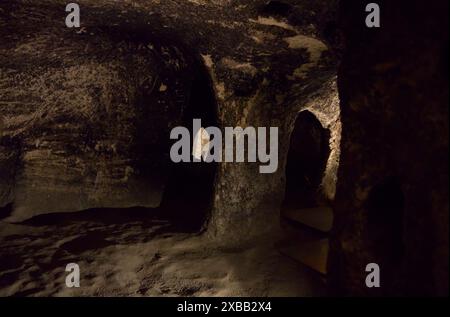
(305, 216)
(187, 198)
(307, 158)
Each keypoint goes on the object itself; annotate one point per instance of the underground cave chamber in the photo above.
(117, 95)
(186, 189)
(110, 156)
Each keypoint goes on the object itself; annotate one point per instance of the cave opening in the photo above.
(307, 158)
(306, 217)
(188, 196)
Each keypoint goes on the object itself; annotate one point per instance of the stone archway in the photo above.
(307, 158)
(188, 195)
(306, 216)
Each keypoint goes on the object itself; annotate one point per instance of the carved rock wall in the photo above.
(392, 195)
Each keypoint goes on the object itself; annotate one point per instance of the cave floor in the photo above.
(141, 258)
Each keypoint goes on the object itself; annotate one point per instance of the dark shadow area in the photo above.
(385, 221)
(307, 158)
(6, 211)
(187, 198)
(385, 207)
(103, 216)
(276, 8)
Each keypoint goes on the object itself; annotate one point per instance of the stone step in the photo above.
(312, 254)
(320, 219)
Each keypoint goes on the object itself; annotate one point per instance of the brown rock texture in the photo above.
(86, 113)
(391, 205)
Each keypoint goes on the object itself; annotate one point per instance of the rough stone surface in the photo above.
(85, 116)
(81, 108)
(391, 205)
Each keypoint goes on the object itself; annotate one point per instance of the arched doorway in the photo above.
(307, 158)
(305, 215)
(188, 195)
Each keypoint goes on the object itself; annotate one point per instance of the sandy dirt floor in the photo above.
(139, 258)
